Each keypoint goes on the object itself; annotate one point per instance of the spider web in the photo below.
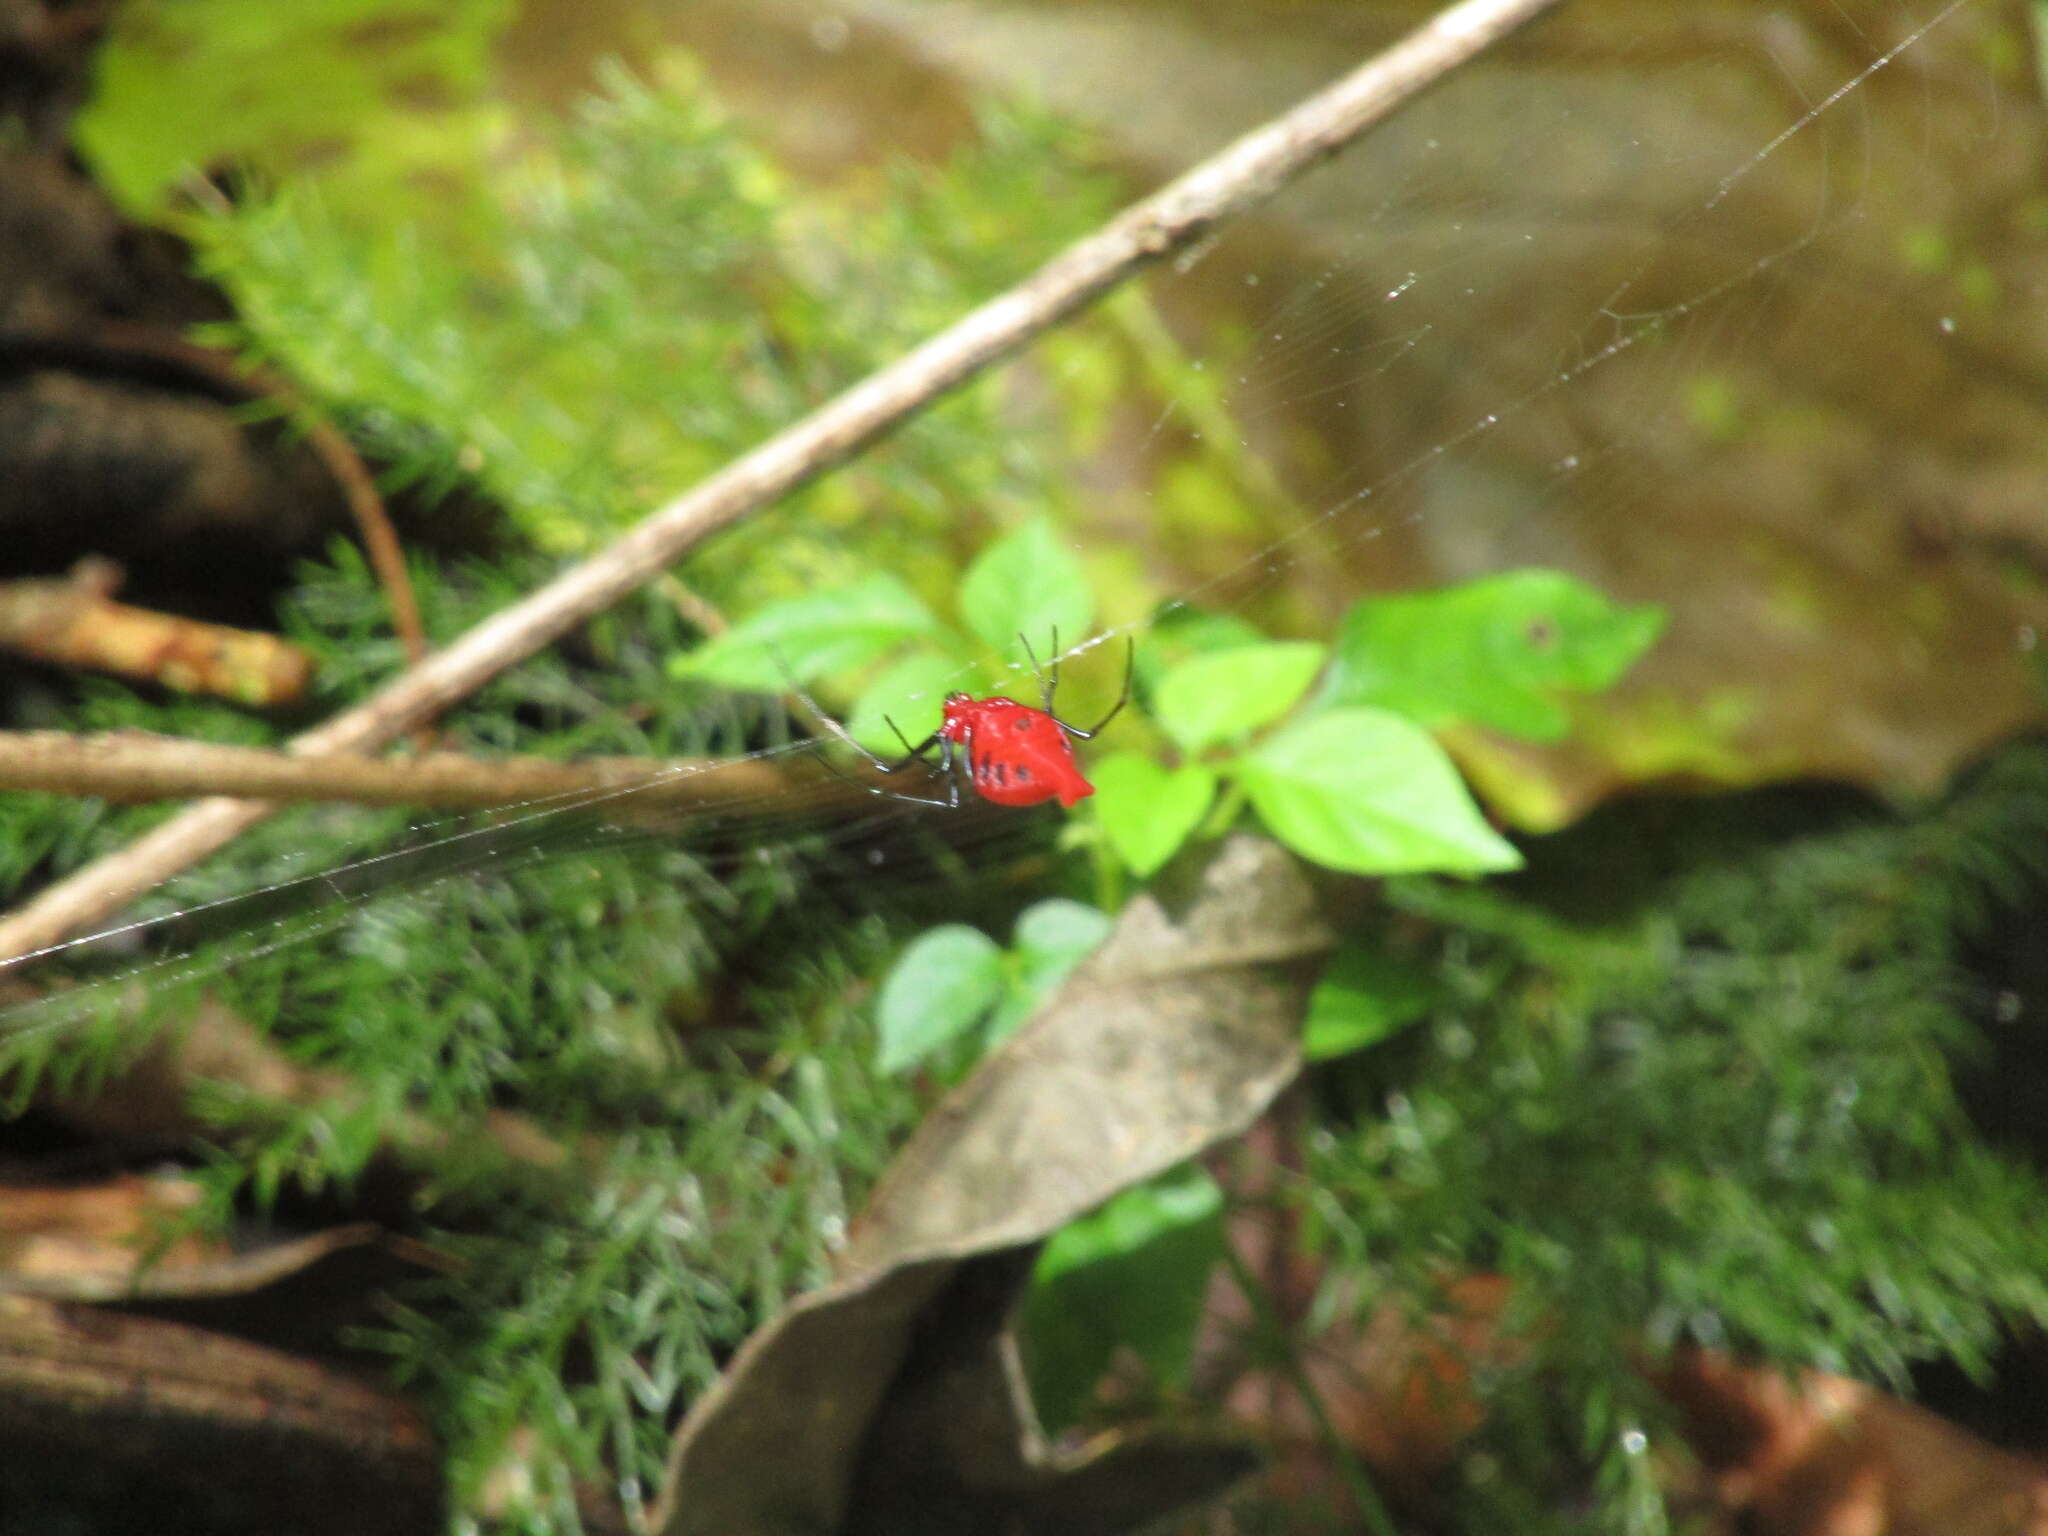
(1730, 313)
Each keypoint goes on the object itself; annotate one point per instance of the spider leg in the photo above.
(911, 754)
(1047, 685)
(944, 766)
(1122, 698)
(914, 754)
(874, 789)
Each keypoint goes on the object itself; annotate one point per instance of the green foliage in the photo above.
(1225, 695)
(806, 638)
(1365, 995)
(1147, 811)
(634, 301)
(552, 963)
(1369, 792)
(943, 985)
(1026, 584)
(1691, 1080)
(1024, 589)
(186, 85)
(1132, 1274)
(906, 701)
(1493, 652)
(954, 984)
(1364, 790)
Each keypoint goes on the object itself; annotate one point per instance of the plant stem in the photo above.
(1370, 1506)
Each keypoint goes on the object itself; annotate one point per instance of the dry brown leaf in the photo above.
(892, 1400)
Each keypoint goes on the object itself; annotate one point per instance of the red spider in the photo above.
(1016, 755)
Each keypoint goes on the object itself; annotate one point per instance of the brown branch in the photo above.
(73, 621)
(135, 766)
(1242, 175)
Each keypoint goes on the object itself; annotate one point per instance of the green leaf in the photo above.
(1053, 937)
(1060, 931)
(1229, 694)
(1132, 1273)
(1180, 631)
(912, 692)
(1027, 583)
(832, 630)
(936, 992)
(1365, 995)
(1147, 811)
(1369, 792)
(1494, 652)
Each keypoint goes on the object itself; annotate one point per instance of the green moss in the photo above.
(1695, 1082)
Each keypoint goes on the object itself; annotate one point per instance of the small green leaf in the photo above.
(912, 692)
(1147, 811)
(1229, 694)
(1053, 937)
(1060, 931)
(1027, 583)
(1369, 792)
(936, 992)
(831, 630)
(1132, 1273)
(1494, 652)
(1365, 995)
(1180, 631)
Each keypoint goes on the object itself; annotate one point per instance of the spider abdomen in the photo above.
(1016, 755)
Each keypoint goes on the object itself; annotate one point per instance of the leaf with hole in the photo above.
(1495, 652)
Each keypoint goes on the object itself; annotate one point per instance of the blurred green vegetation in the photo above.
(1691, 1078)
(388, 99)
(1688, 1078)
(571, 327)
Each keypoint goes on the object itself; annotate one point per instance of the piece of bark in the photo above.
(1810, 1454)
(91, 1399)
(58, 1236)
(74, 622)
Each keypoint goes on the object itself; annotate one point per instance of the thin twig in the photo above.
(1246, 173)
(135, 766)
(73, 621)
(1285, 1352)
